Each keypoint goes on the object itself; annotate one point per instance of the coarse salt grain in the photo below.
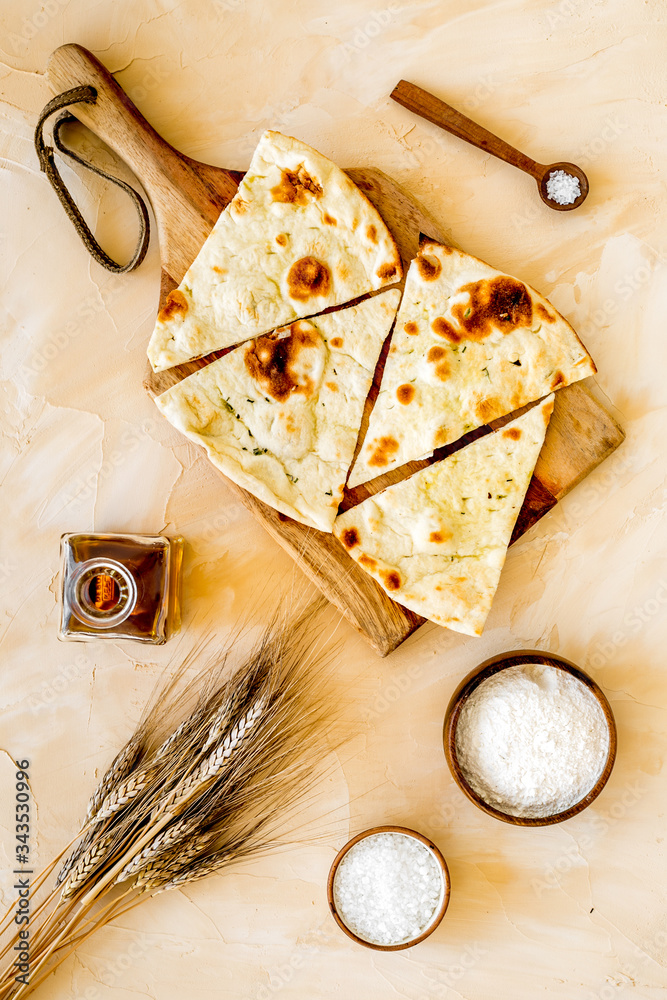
(387, 888)
(562, 187)
(532, 740)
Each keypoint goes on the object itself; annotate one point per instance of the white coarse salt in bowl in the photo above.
(388, 888)
(530, 738)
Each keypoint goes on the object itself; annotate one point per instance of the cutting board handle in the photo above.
(113, 117)
(187, 196)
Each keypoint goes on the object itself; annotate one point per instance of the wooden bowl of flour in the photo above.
(470, 740)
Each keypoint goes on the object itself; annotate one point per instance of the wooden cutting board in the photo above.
(187, 196)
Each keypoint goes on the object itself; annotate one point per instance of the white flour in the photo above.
(532, 740)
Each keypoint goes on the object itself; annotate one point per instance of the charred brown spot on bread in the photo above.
(219, 270)
(405, 393)
(331, 386)
(387, 271)
(513, 433)
(440, 536)
(500, 303)
(350, 538)
(488, 408)
(372, 234)
(543, 313)
(296, 187)
(329, 220)
(442, 437)
(308, 277)
(557, 380)
(272, 361)
(281, 239)
(239, 206)
(367, 561)
(336, 341)
(384, 450)
(343, 271)
(437, 356)
(391, 578)
(444, 328)
(176, 305)
(411, 329)
(429, 267)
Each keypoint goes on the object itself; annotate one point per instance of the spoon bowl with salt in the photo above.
(562, 186)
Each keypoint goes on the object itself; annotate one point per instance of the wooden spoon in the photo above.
(434, 110)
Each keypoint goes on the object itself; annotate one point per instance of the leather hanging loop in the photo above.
(47, 163)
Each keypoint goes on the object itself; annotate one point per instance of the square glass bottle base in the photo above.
(120, 586)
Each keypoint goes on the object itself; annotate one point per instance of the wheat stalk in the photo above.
(198, 786)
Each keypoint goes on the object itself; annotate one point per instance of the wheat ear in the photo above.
(208, 770)
(163, 869)
(124, 794)
(119, 769)
(72, 860)
(159, 846)
(89, 861)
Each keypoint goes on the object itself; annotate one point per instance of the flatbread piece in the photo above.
(470, 344)
(298, 236)
(280, 415)
(436, 542)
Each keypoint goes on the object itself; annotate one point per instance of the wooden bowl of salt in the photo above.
(530, 738)
(388, 888)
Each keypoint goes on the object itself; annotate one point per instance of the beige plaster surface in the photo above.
(572, 911)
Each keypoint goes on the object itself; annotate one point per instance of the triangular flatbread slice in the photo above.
(436, 542)
(470, 344)
(280, 415)
(298, 236)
